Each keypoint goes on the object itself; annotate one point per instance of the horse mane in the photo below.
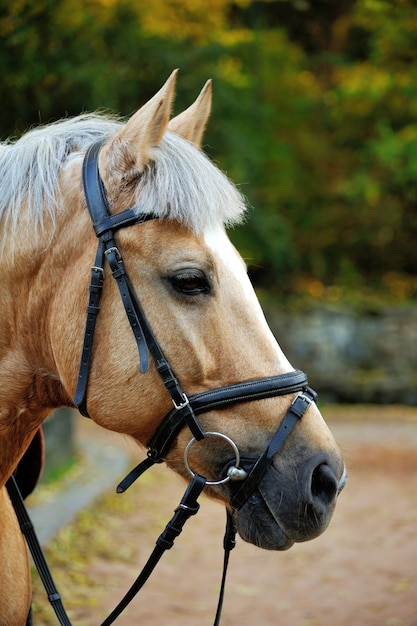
(179, 182)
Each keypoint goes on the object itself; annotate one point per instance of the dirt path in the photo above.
(361, 572)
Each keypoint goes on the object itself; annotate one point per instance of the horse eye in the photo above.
(190, 282)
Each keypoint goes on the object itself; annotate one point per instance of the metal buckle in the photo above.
(302, 396)
(181, 405)
(113, 250)
(300, 410)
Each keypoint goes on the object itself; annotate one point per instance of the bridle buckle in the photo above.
(181, 405)
(115, 251)
(302, 402)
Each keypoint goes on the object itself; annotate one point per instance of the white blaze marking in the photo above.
(218, 241)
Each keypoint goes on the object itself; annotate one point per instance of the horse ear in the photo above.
(191, 123)
(132, 147)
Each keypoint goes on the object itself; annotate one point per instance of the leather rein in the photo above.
(185, 408)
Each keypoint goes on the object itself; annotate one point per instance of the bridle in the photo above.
(185, 408)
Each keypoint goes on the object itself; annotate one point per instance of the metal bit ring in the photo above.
(221, 436)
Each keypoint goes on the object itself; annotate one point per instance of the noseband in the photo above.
(186, 409)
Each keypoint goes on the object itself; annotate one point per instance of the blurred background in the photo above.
(315, 118)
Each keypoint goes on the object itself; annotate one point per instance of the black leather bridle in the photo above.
(185, 409)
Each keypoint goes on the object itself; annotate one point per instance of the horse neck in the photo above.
(15, 587)
(32, 271)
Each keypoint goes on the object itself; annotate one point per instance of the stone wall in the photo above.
(350, 356)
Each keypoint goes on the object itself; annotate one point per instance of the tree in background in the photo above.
(315, 113)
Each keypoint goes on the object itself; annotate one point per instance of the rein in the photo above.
(185, 409)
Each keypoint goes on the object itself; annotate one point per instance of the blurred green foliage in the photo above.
(315, 114)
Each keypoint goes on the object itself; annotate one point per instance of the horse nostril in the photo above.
(324, 486)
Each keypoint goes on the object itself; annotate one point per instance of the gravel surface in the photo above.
(361, 572)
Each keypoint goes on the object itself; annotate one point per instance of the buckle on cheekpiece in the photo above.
(301, 403)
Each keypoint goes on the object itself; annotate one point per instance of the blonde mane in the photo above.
(179, 182)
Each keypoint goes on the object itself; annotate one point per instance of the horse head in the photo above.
(196, 296)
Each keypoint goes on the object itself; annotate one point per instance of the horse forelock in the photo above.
(179, 182)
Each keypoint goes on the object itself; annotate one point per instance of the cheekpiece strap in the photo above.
(105, 225)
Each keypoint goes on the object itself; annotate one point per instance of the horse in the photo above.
(194, 290)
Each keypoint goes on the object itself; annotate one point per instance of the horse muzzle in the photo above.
(291, 505)
(286, 494)
(276, 503)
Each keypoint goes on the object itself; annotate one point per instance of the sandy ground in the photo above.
(361, 572)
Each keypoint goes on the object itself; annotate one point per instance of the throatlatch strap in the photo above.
(28, 531)
(93, 308)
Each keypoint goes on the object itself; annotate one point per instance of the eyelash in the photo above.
(190, 282)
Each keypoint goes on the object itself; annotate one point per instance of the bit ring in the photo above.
(221, 436)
